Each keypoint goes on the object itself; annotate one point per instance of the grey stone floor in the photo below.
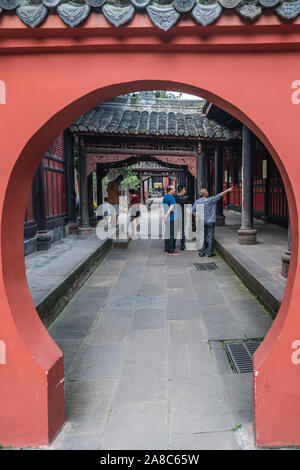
(156, 377)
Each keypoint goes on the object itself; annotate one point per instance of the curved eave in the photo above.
(148, 136)
(229, 33)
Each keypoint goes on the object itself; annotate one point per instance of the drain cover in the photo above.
(241, 354)
(128, 302)
(205, 266)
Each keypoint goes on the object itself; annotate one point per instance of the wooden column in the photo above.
(199, 174)
(70, 182)
(265, 217)
(247, 234)
(206, 170)
(90, 198)
(100, 175)
(226, 178)
(43, 237)
(202, 169)
(83, 191)
(198, 166)
(220, 218)
(141, 187)
(143, 191)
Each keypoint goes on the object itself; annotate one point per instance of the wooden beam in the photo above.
(140, 152)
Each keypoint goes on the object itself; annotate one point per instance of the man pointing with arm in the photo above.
(209, 204)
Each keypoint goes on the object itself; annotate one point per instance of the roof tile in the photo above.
(163, 13)
(155, 116)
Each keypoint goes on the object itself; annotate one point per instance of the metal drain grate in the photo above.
(206, 266)
(241, 355)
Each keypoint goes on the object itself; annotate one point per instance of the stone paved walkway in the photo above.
(156, 377)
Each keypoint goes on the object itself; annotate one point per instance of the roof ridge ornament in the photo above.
(183, 5)
(163, 16)
(146, 96)
(140, 4)
(9, 4)
(206, 14)
(118, 15)
(32, 13)
(249, 10)
(231, 3)
(289, 10)
(73, 13)
(95, 3)
(163, 13)
(269, 3)
(51, 3)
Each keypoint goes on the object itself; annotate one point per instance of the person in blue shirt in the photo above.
(182, 199)
(209, 204)
(170, 215)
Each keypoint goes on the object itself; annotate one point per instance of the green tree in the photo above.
(130, 181)
(161, 94)
(167, 94)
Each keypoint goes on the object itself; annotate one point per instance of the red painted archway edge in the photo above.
(44, 94)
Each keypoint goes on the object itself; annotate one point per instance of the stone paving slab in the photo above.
(109, 331)
(224, 330)
(149, 319)
(198, 405)
(88, 403)
(98, 362)
(183, 310)
(190, 360)
(88, 441)
(224, 440)
(71, 328)
(70, 347)
(238, 391)
(187, 331)
(222, 362)
(137, 425)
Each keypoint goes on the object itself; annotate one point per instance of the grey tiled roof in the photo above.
(163, 13)
(154, 117)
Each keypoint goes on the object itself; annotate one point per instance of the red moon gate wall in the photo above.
(50, 83)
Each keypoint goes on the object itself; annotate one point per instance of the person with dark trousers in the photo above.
(170, 217)
(209, 204)
(181, 199)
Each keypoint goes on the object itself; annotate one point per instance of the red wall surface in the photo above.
(52, 89)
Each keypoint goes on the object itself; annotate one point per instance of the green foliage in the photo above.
(167, 95)
(130, 181)
(238, 426)
(94, 179)
(161, 94)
